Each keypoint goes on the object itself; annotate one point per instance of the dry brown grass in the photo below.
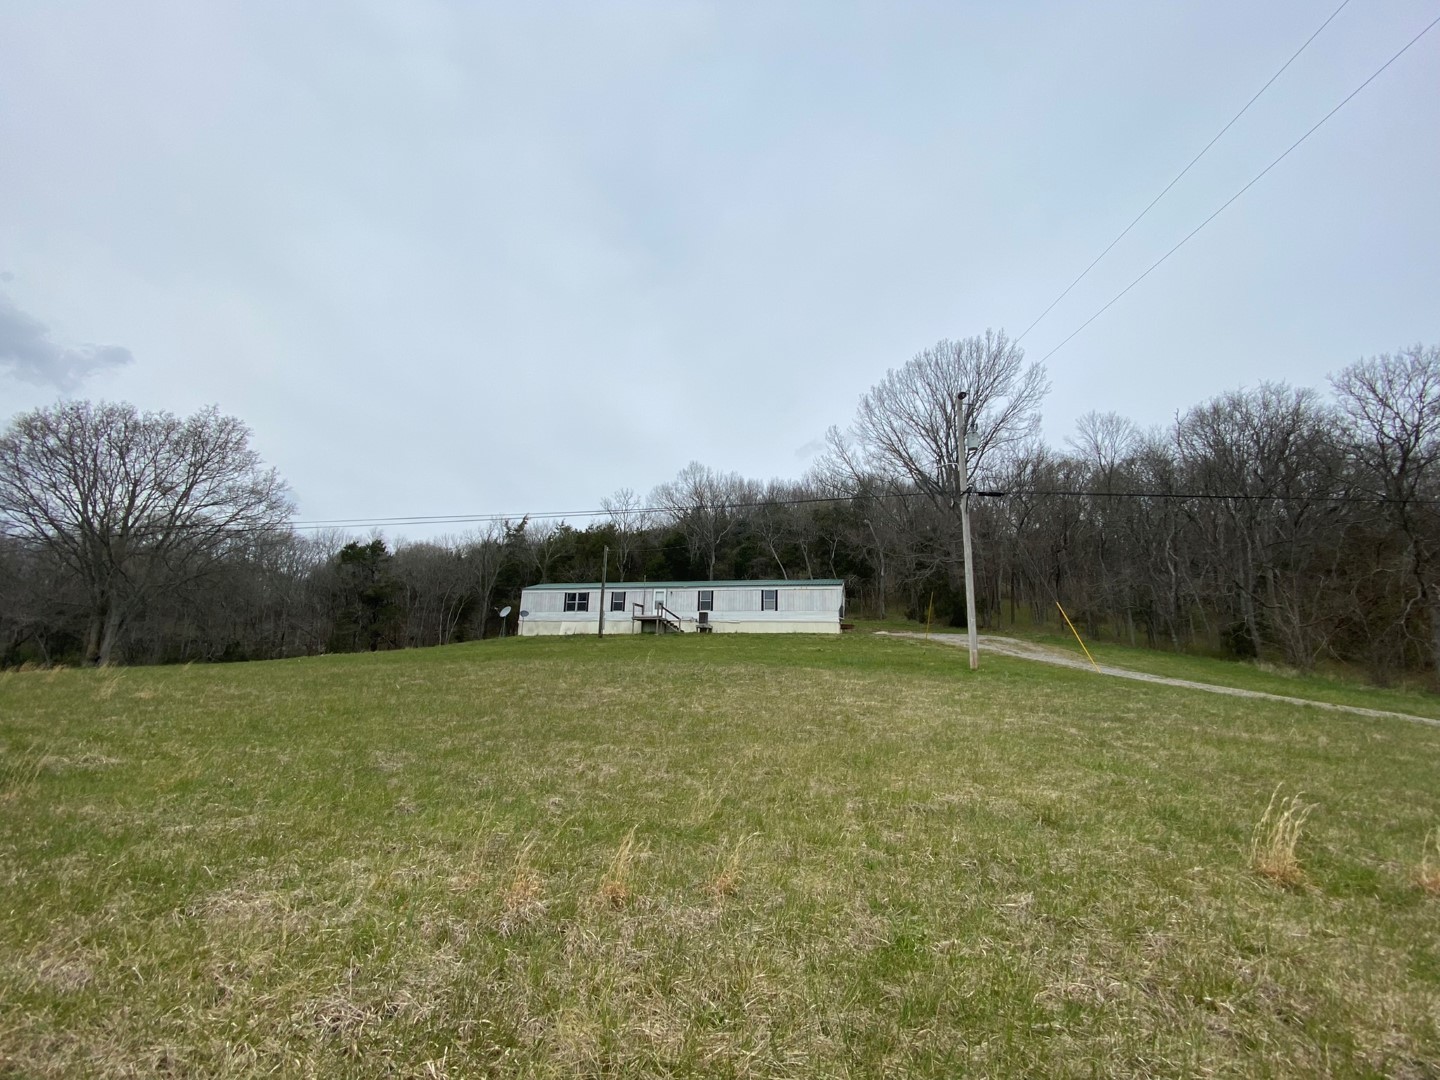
(18, 773)
(523, 902)
(1276, 837)
(615, 890)
(111, 683)
(728, 876)
(1427, 876)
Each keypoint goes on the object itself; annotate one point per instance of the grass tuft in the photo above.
(19, 773)
(522, 904)
(109, 684)
(1428, 875)
(726, 881)
(615, 891)
(1276, 837)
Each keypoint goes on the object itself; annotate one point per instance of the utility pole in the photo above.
(604, 573)
(962, 432)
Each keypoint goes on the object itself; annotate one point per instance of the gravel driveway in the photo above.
(1028, 650)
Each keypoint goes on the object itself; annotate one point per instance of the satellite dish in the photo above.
(524, 614)
(506, 611)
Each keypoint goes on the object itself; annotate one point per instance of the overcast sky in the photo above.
(454, 258)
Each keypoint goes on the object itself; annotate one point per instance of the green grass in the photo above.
(1340, 686)
(847, 857)
(1343, 688)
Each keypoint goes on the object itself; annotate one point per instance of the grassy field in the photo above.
(1343, 687)
(718, 856)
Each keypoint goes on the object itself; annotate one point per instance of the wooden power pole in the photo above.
(962, 452)
(604, 573)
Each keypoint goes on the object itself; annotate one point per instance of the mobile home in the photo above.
(724, 607)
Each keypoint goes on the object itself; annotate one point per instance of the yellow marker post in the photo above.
(1077, 637)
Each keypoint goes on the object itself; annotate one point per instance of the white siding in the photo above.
(803, 607)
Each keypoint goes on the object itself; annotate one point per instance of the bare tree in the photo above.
(1105, 441)
(484, 552)
(704, 505)
(905, 427)
(132, 502)
(546, 543)
(906, 437)
(630, 521)
(437, 588)
(1391, 405)
(1261, 456)
(1156, 527)
(39, 600)
(777, 522)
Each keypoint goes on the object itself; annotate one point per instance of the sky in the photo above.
(467, 258)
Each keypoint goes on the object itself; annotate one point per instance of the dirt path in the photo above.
(1028, 650)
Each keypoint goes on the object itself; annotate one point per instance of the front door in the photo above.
(659, 600)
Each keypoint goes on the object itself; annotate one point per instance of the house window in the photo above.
(577, 601)
(769, 599)
(617, 601)
(706, 601)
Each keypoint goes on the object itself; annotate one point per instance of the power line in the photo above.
(459, 519)
(1180, 175)
(139, 531)
(816, 500)
(1244, 189)
(1192, 496)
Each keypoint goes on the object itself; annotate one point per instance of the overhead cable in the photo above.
(1153, 266)
(817, 500)
(729, 506)
(1180, 175)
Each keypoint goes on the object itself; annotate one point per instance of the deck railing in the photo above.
(673, 621)
(663, 616)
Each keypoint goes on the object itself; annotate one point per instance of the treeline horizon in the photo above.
(1272, 522)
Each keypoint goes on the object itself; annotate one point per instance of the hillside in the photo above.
(697, 855)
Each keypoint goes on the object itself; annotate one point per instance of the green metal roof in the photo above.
(755, 584)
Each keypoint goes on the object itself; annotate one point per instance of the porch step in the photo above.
(650, 624)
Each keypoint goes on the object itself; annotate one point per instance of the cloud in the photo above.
(810, 449)
(30, 354)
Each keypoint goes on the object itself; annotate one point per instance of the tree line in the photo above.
(1273, 521)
